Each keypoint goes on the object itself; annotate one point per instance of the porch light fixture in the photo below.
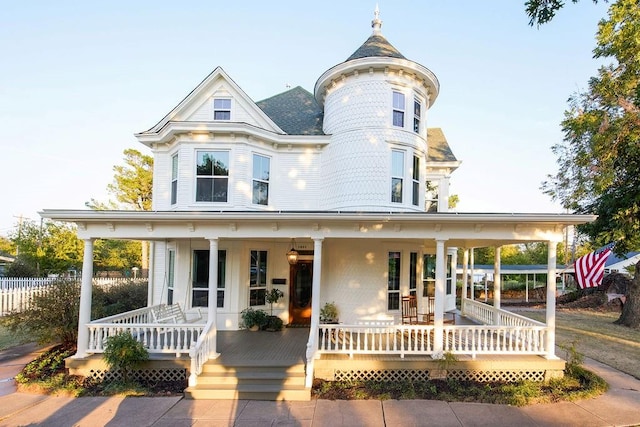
(292, 255)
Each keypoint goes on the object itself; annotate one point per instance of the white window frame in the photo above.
(174, 179)
(222, 109)
(396, 293)
(261, 278)
(399, 108)
(397, 176)
(213, 177)
(417, 115)
(260, 180)
(415, 178)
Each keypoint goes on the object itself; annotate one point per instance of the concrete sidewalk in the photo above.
(618, 407)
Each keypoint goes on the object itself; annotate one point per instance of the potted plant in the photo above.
(253, 319)
(273, 323)
(329, 313)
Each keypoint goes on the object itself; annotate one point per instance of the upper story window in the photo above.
(397, 173)
(261, 169)
(415, 175)
(417, 115)
(398, 109)
(222, 109)
(212, 176)
(174, 179)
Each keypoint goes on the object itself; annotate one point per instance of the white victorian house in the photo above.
(354, 181)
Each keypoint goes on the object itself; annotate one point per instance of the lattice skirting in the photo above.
(140, 375)
(388, 375)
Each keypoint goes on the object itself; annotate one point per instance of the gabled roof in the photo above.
(439, 150)
(376, 45)
(295, 111)
(203, 91)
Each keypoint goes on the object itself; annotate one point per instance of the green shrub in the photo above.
(274, 323)
(123, 352)
(118, 299)
(252, 317)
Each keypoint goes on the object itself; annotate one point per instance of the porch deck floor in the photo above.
(285, 347)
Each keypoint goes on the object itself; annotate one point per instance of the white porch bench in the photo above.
(173, 313)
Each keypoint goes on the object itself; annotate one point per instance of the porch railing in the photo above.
(418, 340)
(169, 338)
(487, 314)
(202, 351)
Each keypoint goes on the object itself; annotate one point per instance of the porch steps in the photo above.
(261, 380)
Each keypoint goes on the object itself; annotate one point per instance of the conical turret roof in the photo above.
(377, 44)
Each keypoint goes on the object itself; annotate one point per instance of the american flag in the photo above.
(590, 267)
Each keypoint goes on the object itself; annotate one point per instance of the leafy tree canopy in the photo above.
(599, 159)
(543, 11)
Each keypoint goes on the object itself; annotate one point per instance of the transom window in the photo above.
(417, 114)
(397, 173)
(261, 169)
(200, 285)
(212, 176)
(258, 278)
(174, 179)
(393, 286)
(398, 109)
(222, 109)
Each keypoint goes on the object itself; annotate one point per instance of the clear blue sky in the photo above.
(77, 79)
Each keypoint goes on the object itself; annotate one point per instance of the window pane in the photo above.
(222, 115)
(398, 118)
(416, 193)
(416, 125)
(204, 190)
(222, 104)
(397, 163)
(261, 167)
(398, 101)
(417, 107)
(205, 163)
(174, 167)
(260, 193)
(258, 274)
(174, 192)
(394, 301)
(396, 190)
(416, 168)
(413, 269)
(394, 271)
(221, 164)
(220, 189)
(257, 297)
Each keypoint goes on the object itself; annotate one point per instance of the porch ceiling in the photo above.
(458, 229)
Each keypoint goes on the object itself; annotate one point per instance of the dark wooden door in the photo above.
(300, 286)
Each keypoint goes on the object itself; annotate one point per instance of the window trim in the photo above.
(397, 178)
(174, 179)
(415, 178)
(222, 109)
(398, 109)
(255, 180)
(213, 177)
(417, 116)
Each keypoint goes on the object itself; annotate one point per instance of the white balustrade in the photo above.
(201, 352)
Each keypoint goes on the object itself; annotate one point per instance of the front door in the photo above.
(301, 280)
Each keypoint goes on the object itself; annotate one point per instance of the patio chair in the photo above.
(409, 310)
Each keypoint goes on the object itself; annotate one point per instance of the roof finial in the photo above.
(376, 24)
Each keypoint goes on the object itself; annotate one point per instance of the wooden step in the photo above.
(249, 392)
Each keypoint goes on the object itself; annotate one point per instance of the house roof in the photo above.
(439, 150)
(295, 111)
(376, 45)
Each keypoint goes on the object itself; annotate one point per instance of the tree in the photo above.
(132, 187)
(599, 159)
(543, 11)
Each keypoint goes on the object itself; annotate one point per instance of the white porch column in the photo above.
(496, 284)
(438, 306)
(473, 288)
(212, 306)
(152, 264)
(315, 309)
(465, 274)
(550, 342)
(84, 316)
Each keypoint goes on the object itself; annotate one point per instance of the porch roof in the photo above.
(458, 229)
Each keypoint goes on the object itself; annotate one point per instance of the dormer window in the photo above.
(417, 114)
(398, 109)
(222, 109)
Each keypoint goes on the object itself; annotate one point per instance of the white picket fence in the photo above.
(16, 293)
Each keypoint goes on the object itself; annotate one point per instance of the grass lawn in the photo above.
(597, 337)
(7, 339)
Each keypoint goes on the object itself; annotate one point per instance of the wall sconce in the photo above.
(292, 255)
